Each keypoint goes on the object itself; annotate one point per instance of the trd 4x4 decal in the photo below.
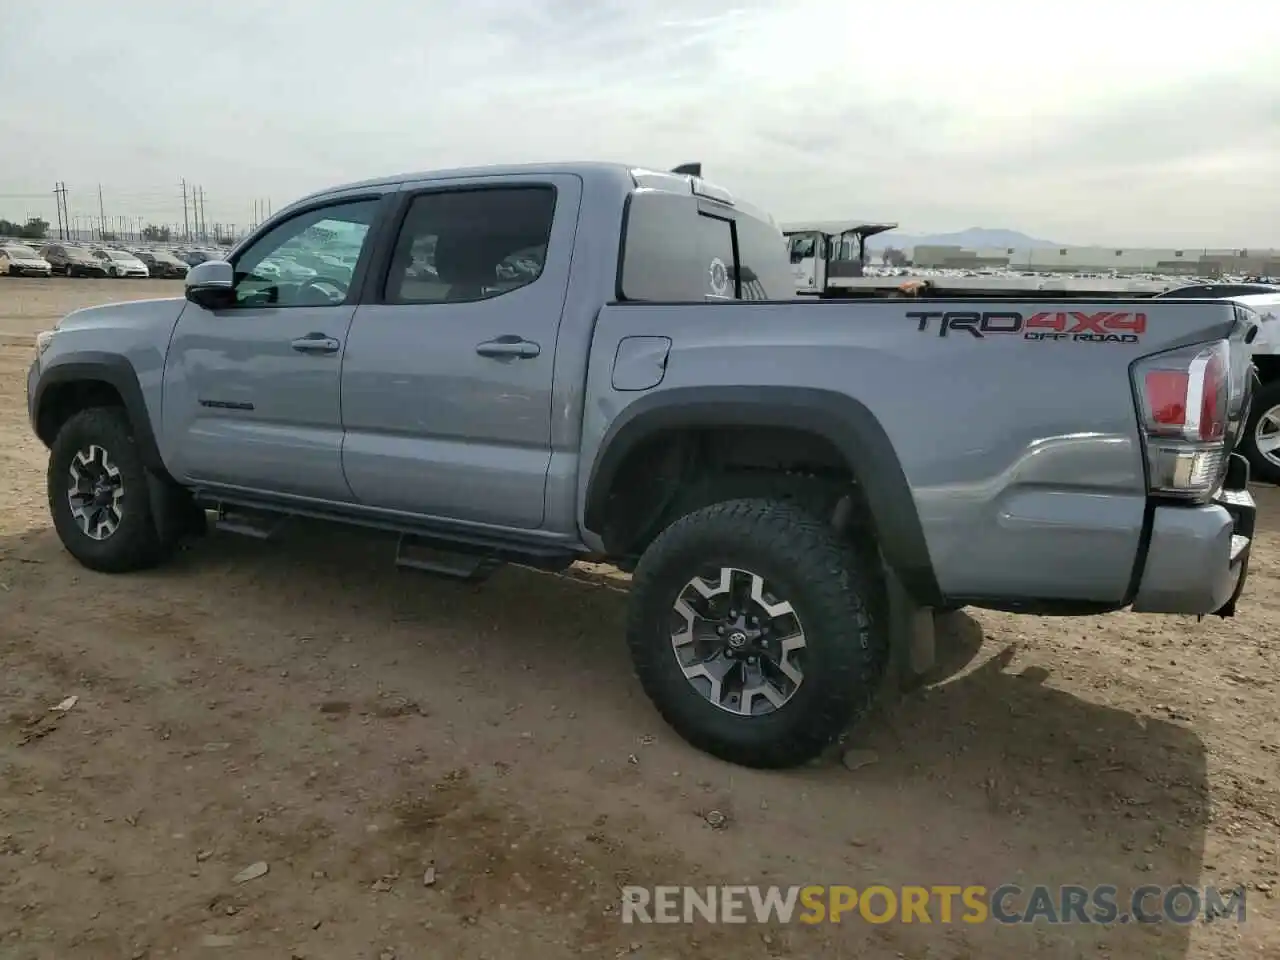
(1105, 326)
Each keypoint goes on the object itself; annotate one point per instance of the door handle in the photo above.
(509, 347)
(316, 343)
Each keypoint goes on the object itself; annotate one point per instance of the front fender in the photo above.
(122, 345)
(88, 366)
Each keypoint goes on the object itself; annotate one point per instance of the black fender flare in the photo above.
(843, 421)
(117, 372)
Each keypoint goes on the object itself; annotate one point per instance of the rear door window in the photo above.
(466, 245)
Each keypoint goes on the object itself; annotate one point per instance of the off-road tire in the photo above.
(136, 543)
(1265, 399)
(834, 590)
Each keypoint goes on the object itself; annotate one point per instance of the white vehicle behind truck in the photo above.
(825, 254)
(829, 260)
(1260, 442)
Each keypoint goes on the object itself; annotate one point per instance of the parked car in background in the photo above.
(1214, 291)
(323, 264)
(286, 267)
(161, 264)
(19, 260)
(194, 257)
(121, 263)
(74, 261)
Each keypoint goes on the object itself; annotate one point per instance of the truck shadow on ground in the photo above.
(990, 776)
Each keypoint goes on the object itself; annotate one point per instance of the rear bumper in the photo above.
(1198, 558)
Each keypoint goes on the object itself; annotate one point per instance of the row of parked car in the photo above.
(22, 259)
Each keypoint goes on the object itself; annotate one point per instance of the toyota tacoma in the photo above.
(541, 364)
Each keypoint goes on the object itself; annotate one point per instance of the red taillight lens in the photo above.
(1185, 394)
(1184, 397)
(1167, 397)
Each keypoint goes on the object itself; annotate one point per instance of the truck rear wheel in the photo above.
(1261, 441)
(98, 494)
(751, 629)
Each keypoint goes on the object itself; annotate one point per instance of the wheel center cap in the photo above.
(737, 639)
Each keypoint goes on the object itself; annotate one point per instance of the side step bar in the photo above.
(258, 524)
(456, 555)
(416, 553)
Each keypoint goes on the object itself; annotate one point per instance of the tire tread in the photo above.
(842, 589)
(137, 544)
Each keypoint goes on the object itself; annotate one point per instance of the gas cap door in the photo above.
(640, 363)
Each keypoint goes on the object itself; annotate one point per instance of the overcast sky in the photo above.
(1121, 122)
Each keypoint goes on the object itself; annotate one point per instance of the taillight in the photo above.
(1185, 402)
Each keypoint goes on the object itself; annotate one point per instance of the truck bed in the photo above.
(1013, 422)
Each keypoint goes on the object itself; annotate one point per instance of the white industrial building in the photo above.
(1193, 262)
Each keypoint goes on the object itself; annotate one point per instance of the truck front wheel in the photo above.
(98, 494)
(752, 632)
(1261, 441)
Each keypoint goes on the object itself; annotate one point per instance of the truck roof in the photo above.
(625, 176)
(868, 228)
(585, 169)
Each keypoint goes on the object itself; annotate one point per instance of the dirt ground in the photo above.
(302, 704)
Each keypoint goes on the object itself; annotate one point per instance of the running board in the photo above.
(415, 553)
(262, 519)
(259, 525)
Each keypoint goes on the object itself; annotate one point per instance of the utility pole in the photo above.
(186, 225)
(102, 217)
(57, 203)
(204, 224)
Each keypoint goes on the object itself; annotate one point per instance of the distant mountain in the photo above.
(973, 237)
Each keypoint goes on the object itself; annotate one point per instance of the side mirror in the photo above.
(211, 284)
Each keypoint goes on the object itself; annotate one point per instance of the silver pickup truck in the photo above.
(542, 364)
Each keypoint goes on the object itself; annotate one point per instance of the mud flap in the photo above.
(1239, 503)
(175, 514)
(913, 637)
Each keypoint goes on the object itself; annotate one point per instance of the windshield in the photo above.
(120, 255)
(802, 246)
(16, 250)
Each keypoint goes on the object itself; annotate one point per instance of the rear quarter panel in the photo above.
(1023, 456)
